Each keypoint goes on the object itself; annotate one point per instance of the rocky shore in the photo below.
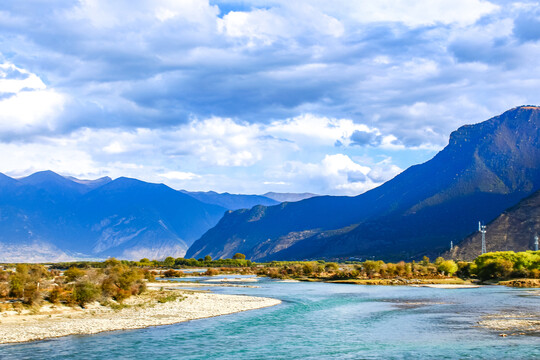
(512, 324)
(151, 309)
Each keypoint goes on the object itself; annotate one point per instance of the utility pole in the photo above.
(482, 229)
(451, 245)
(535, 242)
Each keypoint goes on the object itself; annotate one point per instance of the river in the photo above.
(321, 321)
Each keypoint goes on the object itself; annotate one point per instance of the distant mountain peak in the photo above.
(528, 107)
(289, 197)
(42, 176)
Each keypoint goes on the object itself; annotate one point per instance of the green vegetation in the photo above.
(34, 284)
(507, 265)
(169, 262)
(491, 266)
(170, 297)
(80, 283)
(367, 270)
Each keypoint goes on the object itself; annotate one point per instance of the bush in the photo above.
(169, 261)
(73, 274)
(464, 270)
(495, 269)
(505, 264)
(85, 292)
(447, 267)
(211, 272)
(173, 273)
(329, 267)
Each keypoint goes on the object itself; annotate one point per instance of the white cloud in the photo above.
(179, 175)
(123, 13)
(265, 26)
(28, 106)
(336, 174)
(148, 87)
(412, 13)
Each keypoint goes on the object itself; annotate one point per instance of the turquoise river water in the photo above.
(321, 321)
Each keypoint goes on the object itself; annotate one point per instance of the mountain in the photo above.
(288, 197)
(231, 201)
(485, 168)
(513, 230)
(91, 184)
(48, 217)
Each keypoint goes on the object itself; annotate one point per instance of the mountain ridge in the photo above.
(492, 162)
(126, 218)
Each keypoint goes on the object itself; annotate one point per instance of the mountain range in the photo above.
(482, 174)
(485, 169)
(49, 217)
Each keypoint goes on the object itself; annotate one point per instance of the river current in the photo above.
(321, 321)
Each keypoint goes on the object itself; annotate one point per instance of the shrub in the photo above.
(73, 274)
(171, 273)
(448, 267)
(495, 269)
(169, 261)
(464, 270)
(332, 266)
(85, 292)
(148, 275)
(211, 272)
(307, 269)
(371, 267)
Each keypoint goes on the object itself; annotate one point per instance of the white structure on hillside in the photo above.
(482, 229)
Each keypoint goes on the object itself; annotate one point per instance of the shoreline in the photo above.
(140, 312)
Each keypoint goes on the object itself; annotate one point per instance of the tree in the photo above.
(307, 268)
(207, 258)
(448, 267)
(73, 274)
(169, 261)
(332, 266)
(495, 269)
(239, 256)
(85, 292)
(371, 267)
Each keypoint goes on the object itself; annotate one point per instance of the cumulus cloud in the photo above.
(26, 105)
(231, 91)
(338, 172)
(179, 175)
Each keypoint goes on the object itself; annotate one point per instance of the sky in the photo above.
(329, 97)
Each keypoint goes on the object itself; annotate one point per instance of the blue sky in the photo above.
(331, 97)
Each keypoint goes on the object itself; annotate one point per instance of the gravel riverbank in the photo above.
(141, 311)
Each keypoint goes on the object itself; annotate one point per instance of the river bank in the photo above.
(154, 308)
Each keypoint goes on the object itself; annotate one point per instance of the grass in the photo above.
(170, 297)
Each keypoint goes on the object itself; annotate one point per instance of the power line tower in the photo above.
(482, 229)
(535, 242)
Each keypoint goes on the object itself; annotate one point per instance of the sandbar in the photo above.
(142, 311)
